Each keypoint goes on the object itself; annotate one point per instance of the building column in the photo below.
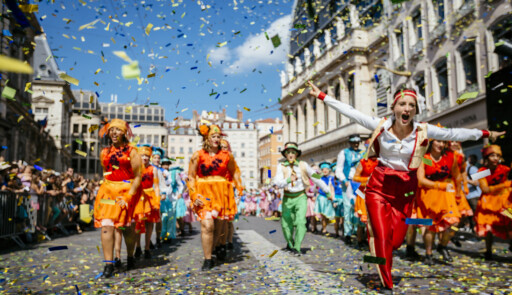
(309, 119)
(292, 135)
(363, 88)
(452, 79)
(286, 127)
(301, 118)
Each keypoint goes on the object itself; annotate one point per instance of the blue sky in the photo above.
(244, 71)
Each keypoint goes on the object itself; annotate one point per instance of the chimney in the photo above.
(240, 116)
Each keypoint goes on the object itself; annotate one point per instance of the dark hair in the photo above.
(429, 149)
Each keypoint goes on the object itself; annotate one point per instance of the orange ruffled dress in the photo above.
(215, 189)
(147, 208)
(462, 202)
(360, 206)
(117, 183)
(438, 205)
(488, 211)
(235, 180)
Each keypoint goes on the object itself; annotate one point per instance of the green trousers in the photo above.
(294, 218)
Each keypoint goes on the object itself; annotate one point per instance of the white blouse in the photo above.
(395, 153)
(297, 185)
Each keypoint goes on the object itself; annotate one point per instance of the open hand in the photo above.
(122, 202)
(198, 202)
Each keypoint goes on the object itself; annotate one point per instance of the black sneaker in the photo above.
(151, 246)
(411, 254)
(117, 263)
(158, 243)
(446, 254)
(488, 255)
(221, 253)
(428, 260)
(230, 246)
(138, 252)
(108, 271)
(297, 253)
(207, 264)
(348, 240)
(147, 254)
(130, 264)
(456, 242)
(288, 248)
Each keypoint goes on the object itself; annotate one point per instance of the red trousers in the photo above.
(388, 201)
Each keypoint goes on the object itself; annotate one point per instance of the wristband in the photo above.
(322, 95)
(485, 133)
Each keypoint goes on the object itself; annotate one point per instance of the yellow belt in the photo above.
(118, 182)
(216, 178)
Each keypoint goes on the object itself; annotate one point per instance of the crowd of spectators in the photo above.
(48, 202)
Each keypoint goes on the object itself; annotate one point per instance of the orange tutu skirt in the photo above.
(360, 209)
(109, 192)
(217, 195)
(463, 205)
(438, 205)
(488, 215)
(145, 210)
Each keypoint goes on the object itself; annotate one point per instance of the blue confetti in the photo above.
(376, 78)
(4, 147)
(98, 276)
(38, 168)
(217, 96)
(207, 199)
(136, 126)
(44, 279)
(127, 181)
(97, 94)
(77, 290)
(111, 261)
(382, 104)
(418, 221)
(269, 173)
(57, 248)
(193, 68)
(272, 231)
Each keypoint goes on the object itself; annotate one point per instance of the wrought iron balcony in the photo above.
(466, 8)
(438, 32)
(399, 63)
(417, 49)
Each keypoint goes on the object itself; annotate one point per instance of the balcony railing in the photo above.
(438, 32)
(443, 105)
(399, 63)
(417, 49)
(466, 8)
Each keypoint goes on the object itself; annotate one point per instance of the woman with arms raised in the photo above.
(400, 144)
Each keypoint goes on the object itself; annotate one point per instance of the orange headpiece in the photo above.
(486, 151)
(145, 150)
(206, 130)
(118, 123)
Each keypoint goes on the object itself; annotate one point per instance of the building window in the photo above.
(243, 154)
(155, 139)
(190, 140)
(442, 76)
(279, 138)
(75, 128)
(181, 151)
(84, 128)
(502, 31)
(279, 149)
(251, 174)
(400, 40)
(172, 150)
(351, 91)
(416, 22)
(439, 9)
(467, 54)
(306, 121)
(41, 110)
(190, 150)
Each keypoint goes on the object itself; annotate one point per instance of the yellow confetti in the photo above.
(148, 28)
(29, 8)
(69, 79)
(122, 55)
(300, 90)
(273, 253)
(222, 44)
(97, 71)
(20, 118)
(247, 109)
(79, 152)
(89, 25)
(107, 173)
(12, 65)
(316, 124)
(27, 86)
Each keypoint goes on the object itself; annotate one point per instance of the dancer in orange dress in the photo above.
(496, 198)
(210, 191)
(363, 171)
(439, 186)
(118, 194)
(237, 182)
(147, 209)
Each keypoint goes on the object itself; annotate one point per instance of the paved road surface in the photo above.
(328, 267)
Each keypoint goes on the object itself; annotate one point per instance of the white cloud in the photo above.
(256, 50)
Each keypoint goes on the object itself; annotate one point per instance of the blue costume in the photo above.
(323, 205)
(338, 195)
(347, 162)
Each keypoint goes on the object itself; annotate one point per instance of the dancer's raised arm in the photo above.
(364, 120)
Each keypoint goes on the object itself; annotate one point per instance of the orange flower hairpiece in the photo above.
(203, 130)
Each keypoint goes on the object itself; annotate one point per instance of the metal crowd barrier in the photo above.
(19, 213)
(8, 218)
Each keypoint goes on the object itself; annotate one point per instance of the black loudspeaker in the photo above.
(499, 108)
